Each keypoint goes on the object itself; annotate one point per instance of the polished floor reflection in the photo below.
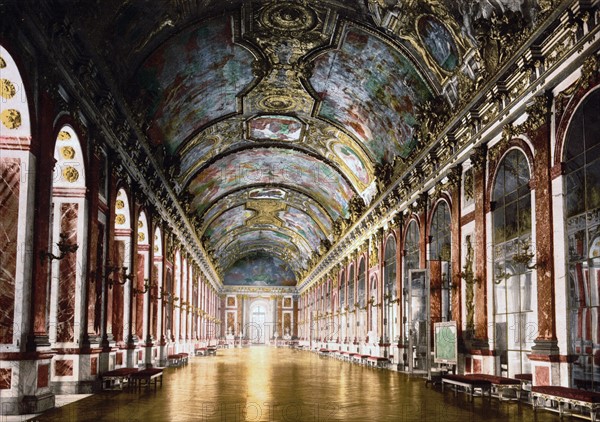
(268, 384)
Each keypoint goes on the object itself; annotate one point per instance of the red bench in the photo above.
(500, 384)
(567, 396)
(114, 380)
(469, 384)
(147, 375)
(377, 361)
(177, 359)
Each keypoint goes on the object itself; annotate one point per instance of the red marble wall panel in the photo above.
(65, 314)
(117, 289)
(542, 375)
(5, 378)
(63, 368)
(94, 366)
(139, 298)
(10, 171)
(476, 366)
(43, 374)
(436, 291)
(154, 297)
(119, 359)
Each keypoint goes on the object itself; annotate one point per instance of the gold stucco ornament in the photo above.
(11, 118)
(7, 89)
(70, 174)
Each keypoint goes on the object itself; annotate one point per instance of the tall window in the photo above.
(582, 214)
(362, 288)
(440, 250)
(411, 262)
(514, 316)
(342, 291)
(389, 288)
(351, 287)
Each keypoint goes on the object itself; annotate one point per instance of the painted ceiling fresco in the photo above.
(372, 89)
(260, 270)
(294, 103)
(272, 166)
(275, 128)
(193, 79)
(270, 130)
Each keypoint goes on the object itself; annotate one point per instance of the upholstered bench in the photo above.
(567, 396)
(200, 351)
(175, 359)
(470, 384)
(114, 380)
(184, 358)
(211, 350)
(359, 358)
(148, 375)
(377, 361)
(500, 384)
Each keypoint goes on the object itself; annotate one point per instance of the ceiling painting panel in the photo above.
(227, 221)
(259, 270)
(193, 79)
(438, 42)
(272, 166)
(371, 89)
(275, 128)
(304, 225)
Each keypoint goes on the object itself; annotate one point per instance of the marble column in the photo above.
(65, 314)
(479, 159)
(10, 170)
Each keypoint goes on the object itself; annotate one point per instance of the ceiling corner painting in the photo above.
(439, 42)
(369, 87)
(259, 269)
(275, 128)
(193, 79)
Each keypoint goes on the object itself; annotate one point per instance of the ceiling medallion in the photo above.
(11, 118)
(277, 103)
(288, 17)
(7, 89)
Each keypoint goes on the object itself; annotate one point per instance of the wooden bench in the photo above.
(114, 380)
(148, 375)
(500, 384)
(570, 397)
(469, 384)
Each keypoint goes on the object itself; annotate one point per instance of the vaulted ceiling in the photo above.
(272, 116)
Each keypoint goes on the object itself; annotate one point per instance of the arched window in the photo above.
(412, 261)
(582, 215)
(351, 287)
(342, 290)
(440, 250)
(389, 289)
(362, 288)
(514, 319)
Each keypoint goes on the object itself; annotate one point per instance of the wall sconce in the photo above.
(124, 276)
(64, 248)
(147, 286)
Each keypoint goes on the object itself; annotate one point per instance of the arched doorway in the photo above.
(258, 327)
